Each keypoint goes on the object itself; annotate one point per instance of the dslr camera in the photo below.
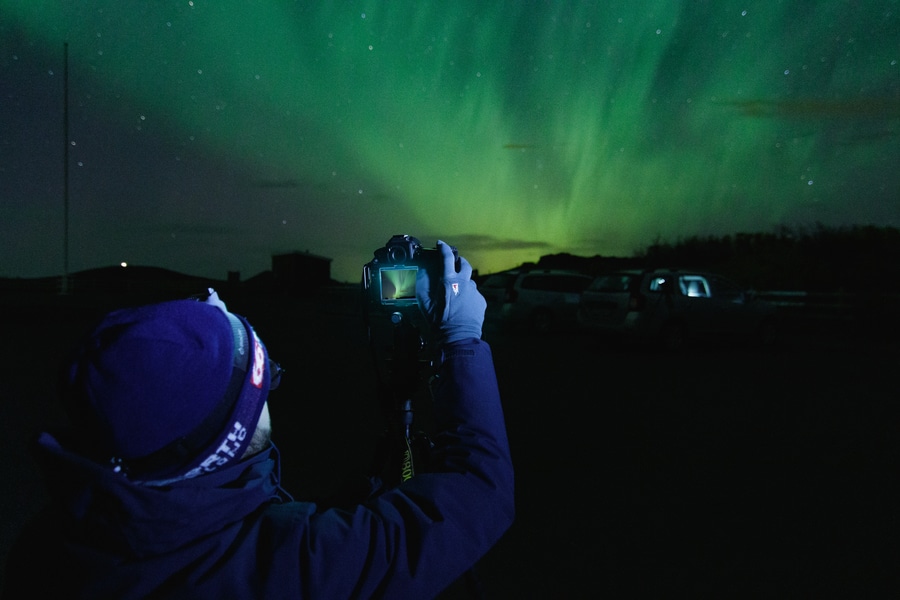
(389, 280)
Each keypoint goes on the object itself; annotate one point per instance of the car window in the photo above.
(618, 282)
(658, 283)
(499, 281)
(694, 286)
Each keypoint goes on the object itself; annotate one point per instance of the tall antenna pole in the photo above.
(65, 281)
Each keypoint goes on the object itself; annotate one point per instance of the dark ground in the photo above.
(716, 472)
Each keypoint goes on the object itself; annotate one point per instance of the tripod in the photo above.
(400, 366)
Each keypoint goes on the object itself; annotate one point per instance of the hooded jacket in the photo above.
(232, 534)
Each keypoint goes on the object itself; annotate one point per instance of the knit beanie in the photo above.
(168, 390)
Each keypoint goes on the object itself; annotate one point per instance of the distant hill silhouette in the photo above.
(103, 288)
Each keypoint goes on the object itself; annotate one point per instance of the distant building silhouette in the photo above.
(300, 271)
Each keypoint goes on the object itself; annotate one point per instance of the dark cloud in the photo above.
(488, 242)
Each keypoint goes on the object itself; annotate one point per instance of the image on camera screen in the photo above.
(398, 285)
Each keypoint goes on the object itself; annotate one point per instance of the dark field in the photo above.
(716, 472)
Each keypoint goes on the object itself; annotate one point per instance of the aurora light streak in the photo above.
(207, 136)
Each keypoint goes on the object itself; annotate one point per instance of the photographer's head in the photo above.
(171, 390)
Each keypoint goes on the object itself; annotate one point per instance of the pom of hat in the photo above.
(147, 377)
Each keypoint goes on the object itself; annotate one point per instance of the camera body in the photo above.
(389, 280)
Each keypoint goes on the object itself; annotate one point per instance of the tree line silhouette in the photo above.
(851, 259)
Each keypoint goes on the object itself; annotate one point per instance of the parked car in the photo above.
(670, 307)
(538, 300)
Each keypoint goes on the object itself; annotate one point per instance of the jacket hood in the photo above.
(146, 519)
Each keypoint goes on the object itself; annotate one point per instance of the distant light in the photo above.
(123, 264)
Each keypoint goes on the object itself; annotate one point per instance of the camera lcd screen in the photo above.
(398, 285)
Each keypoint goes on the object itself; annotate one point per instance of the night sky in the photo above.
(205, 136)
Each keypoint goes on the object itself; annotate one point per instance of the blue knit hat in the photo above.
(169, 390)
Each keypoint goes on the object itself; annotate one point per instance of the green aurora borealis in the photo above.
(206, 136)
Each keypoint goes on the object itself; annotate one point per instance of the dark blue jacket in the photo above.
(227, 535)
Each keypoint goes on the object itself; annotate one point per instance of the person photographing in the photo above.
(166, 483)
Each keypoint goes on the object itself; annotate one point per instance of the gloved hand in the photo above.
(214, 300)
(452, 304)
